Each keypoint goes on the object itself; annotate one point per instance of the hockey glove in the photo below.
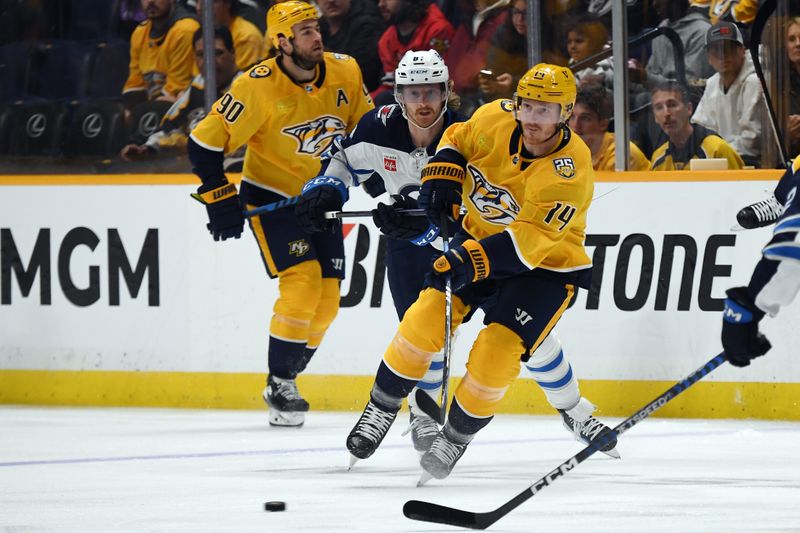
(321, 194)
(225, 218)
(440, 191)
(464, 264)
(741, 339)
(401, 226)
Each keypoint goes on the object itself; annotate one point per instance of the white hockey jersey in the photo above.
(380, 155)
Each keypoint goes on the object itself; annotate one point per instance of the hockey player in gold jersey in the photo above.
(287, 110)
(526, 182)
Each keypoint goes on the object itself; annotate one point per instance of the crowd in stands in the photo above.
(123, 79)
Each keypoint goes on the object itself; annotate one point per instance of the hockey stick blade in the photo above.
(440, 514)
(428, 405)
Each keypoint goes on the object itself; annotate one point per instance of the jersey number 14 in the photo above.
(562, 213)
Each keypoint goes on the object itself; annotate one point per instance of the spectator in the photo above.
(507, 56)
(738, 11)
(480, 20)
(793, 51)
(732, 104)
(412, 25)
(590, 118)
(189, 109)
(353, 27)
(672, 110)
(586, 37)
(691, 27)
(162, 57)
(248, 41)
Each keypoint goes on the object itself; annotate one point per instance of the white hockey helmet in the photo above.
(421, 67)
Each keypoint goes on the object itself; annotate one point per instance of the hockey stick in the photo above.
(440, 514)
(274, 206)
(764, 12)
(335, 215)
(425, 403)
(329, 215)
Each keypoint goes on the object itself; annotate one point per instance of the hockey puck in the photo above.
(274, 506)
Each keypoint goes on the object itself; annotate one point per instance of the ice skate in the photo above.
(286, 407)
(585, 427)
(369, 431)
(760, 214)
(446, 450)
(423, 431)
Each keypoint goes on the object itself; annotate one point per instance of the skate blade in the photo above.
(612, 453)
(737, 227)
(289, 419)
(424, 478)
(353, 461)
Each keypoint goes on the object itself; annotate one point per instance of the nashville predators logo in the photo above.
(314, 136)
(496, 205)
(299, 248)
(565, 167)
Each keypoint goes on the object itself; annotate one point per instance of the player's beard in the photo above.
(307, 61)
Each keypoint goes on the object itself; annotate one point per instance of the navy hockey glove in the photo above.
(321, 194)
(440, 191)
(466, 263)
(225, 218)
(741, 339)
(401, 226)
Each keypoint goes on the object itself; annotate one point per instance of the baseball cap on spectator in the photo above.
(724, 31)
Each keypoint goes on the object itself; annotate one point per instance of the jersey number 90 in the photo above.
(229, 108)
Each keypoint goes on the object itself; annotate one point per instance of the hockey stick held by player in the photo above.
(519, 257)
(324, 97)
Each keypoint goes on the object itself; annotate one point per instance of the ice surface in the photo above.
(64, 469)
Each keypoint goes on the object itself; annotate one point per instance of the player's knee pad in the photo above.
(551, 370)
(300, 289)
(492, 366)
(327, 310)
(421, 334)
(423, 322)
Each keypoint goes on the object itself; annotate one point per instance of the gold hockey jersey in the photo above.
(540, 202)
(162, 66)
(286, 125)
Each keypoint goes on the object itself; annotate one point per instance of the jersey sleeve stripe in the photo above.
(517, 249)
(206, 146)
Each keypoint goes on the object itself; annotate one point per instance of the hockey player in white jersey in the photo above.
(386, 152)
(774, 283)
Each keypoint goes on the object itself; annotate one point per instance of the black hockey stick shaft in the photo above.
(274, 206)
(441, 514)
(425, 403)
(330, 215)
(764, 12)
